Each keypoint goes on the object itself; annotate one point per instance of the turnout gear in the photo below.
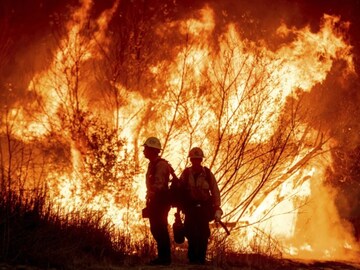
(170, 190)
(157, 181)
(201, 200)
(201, 190)
(157, 204)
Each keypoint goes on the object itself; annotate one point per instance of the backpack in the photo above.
(172, 196)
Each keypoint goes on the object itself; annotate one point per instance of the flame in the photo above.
(292, 208)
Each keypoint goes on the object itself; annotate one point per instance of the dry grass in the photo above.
(33, 237)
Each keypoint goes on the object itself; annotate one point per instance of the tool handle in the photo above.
(224, 226)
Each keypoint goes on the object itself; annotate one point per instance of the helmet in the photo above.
(196, 152)
(152, 142)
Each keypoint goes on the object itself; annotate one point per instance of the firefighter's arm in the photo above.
(160, 179)
(182, 182)
(216, 197)
(182, 179)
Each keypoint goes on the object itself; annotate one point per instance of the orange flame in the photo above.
(301, 64)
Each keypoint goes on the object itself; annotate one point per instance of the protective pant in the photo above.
(159, 230)
(197, 232)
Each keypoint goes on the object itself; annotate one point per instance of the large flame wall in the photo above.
(251, 96)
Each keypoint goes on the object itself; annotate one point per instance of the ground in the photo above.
(288, 265)
(278, 265)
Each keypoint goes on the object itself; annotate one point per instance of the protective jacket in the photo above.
(202, 196)
(201, 187)
(157, 180)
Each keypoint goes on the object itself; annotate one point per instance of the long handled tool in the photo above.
(224, 226)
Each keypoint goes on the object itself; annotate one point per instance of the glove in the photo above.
(218, 214)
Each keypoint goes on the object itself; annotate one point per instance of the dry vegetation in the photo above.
(33, 238)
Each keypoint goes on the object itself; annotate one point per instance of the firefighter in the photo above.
(201, 205)
(157, 201)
